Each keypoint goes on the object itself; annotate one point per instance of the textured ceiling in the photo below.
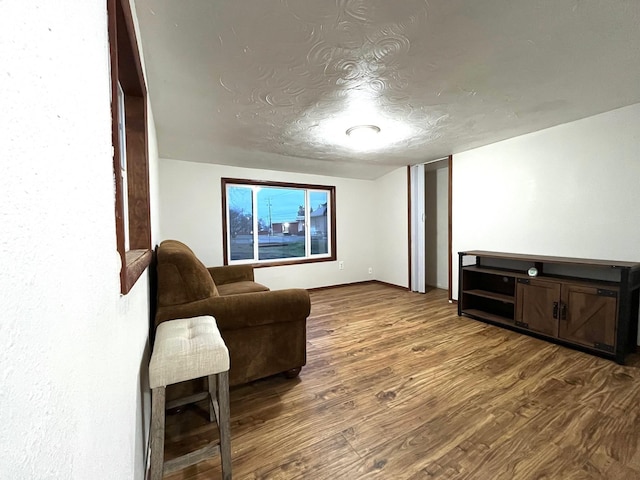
(276, 83)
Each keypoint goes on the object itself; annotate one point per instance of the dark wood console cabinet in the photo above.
(591, 305)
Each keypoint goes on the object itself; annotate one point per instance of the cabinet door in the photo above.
(537, 305)
(588, 316)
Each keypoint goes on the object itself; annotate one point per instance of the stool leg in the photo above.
(213, 397)
(224, 424)
(157, 432)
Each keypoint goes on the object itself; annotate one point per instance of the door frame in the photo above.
(449, 221)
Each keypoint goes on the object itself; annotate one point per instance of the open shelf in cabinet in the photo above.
(489, 294)
(492, 295)
(484, 315)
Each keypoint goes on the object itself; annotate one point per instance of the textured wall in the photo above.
(570, 190)
(192, 212)
(72, 350)
(392, 226)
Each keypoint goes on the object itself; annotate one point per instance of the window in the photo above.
(129, 138)
(122, 151)
(275, 223)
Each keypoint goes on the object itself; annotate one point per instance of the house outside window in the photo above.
(275, 223)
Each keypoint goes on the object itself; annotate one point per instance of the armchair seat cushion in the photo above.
(239, 288)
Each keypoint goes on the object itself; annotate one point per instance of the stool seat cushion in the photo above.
(185, 349)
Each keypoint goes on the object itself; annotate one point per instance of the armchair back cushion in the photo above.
(182, 278)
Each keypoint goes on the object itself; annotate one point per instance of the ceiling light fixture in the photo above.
(363, 137)
(363, 131)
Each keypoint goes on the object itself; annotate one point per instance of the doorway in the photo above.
(430, 221)
(436, 186)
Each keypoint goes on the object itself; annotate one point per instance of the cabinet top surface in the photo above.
(549, 259)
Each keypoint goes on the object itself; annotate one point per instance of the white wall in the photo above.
(72, 349)
(192, 212)
(390, 228)
(571, 190)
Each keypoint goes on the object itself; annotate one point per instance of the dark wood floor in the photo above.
(397, 386)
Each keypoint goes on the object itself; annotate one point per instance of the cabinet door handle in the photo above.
(563, 311)
(555, 310)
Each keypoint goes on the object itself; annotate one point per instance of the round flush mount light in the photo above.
(363, 131)
(363, 137)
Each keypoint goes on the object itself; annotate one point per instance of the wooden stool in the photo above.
(186, 349)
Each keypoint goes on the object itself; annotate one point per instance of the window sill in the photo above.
(280, 263)
(136, 261)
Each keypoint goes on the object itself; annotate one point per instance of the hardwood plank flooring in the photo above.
(397, 386)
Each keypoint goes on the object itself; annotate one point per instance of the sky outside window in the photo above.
(282, 204)
(279, 205)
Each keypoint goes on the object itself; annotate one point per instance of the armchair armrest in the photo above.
(231, 274)
(246, 310)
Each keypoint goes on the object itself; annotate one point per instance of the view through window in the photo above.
(274, 222)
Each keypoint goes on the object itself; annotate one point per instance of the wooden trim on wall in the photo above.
(137, 173)
(294, 261)
(331, 287)
(130, 72)
(450, 208)
(334, 232)
(269, 183)
(112, 10)
(393, 285)
(331, 189)
(137, 261)
(126, 69)
(223, 193)
(364, 282)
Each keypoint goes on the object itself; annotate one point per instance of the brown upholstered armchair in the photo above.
(265, 331)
